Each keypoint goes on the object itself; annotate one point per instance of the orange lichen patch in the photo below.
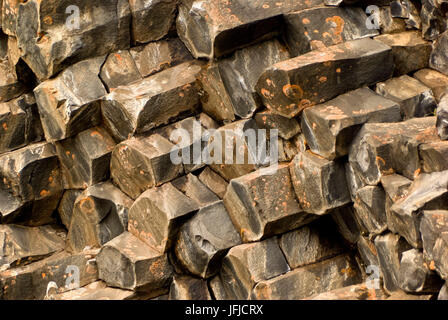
(5, 126)
(417, 173)
(266, 93)
(118, 56)
(338, 70)
(338, 29)
(44, 193)
(266, 6)
(379, 159)
(305, 21)
(87, 204)
(96, 133)
(432, 265)
(323, 79)
(48, 20)
(292, 91)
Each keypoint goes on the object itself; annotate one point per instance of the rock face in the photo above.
(223, 150)
(289, 87)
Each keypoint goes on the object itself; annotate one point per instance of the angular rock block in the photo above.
(367, 252)
(119, 69)
(370, 208)
(437, 81)
(415, 99)
(263, 203)
(19, 123)
(68, 34)
(323, 27)
(434, 156)
(443, 294)
(160, 55)
(395, 187)
(10, 84)
(406, 10)
(128, 263)
(410, 51)
(204, 240)
(330, 274)
(290, 86)
(214, 182)
(442, 118)
(247, 264)
(414, 274)
(151, 20)
(433, 19)
(287, 128)
(381, 149)
(439, 57)
(231, 81)
(26, 175)
(23, 245)
(311, 243)
(354, 183)
(330, 127)
(85, 158)
(66, 205)
(211, 29)
(68, 104)
(156, 216)
(390, 248)
(236, 149)
(195, 189)
(387, 23)
(32, 281)
(434, 228)
(141, 163)
(347, 223)
(100, 214)
(423, 194)
(151, 102)
(319, 184)
(188, 288)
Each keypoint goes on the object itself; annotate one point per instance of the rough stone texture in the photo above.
(319, 184)
(30, 184)
(204, 240)
(415, 99)
(325, 26)
(230, 83)
(311, 243)
(10, 84)
(390, 248)
(211, 29)
(195, 189)
(263, 203)
(66, 205)
(429, 191)
(433, 19)
(330, 274)
(156, 216)
(439, 58)
(69, 103)
(214, 182)
(247, 264)
(414, 274)
(50, 41)
(140, 163)
(287, 128)
(30, 282)
(434, 156)
(100, 214)
(126, 262)
(442, 118)
(119, 69)
(151, 102)
(85, 158)
(381, 149)
(353, 292)
(347, 224)
(437, 81)
(330, 127)
(96, 291)
(288, 87)
(151, 20)
(188, 288)
(433, 228)
(410, 51)
(370, 209)
(23, 245)
(19, 123)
